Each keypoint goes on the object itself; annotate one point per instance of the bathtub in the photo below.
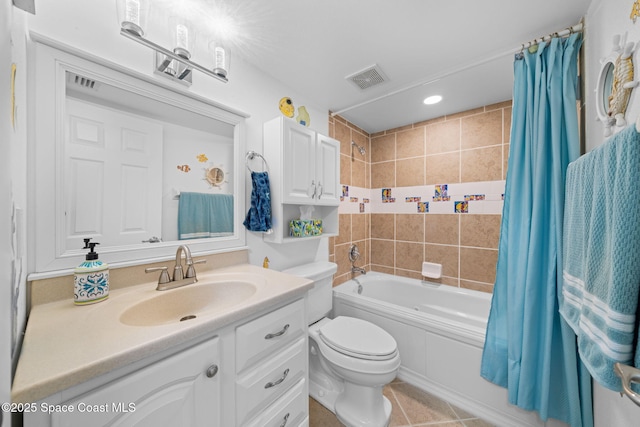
(440, 333)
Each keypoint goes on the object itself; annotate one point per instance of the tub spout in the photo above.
(355, 269)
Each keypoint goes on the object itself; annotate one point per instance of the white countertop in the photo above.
(66, 345)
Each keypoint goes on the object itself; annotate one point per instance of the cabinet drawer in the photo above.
(268, 334)
(266, 382)
(289, 410)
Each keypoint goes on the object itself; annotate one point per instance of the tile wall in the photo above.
(430, 191)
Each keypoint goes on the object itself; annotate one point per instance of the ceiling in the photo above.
(460, 49)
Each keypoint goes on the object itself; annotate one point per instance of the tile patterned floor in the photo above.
(412, 407)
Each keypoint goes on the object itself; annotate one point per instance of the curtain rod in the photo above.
(567, 31)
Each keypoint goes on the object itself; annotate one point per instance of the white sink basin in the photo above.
(188, 302)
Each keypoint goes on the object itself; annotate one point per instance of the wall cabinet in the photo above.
(304, 169)
(251, 373)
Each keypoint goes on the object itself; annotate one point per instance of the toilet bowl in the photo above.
(350, 360)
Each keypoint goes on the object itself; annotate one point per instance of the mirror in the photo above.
(215, 177)
(607, 76)
(614, 85)
(120, 157)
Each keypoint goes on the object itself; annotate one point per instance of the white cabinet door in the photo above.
(182, 390)
(299, 152)
(328, 171)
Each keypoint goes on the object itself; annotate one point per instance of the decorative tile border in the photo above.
(486, 197)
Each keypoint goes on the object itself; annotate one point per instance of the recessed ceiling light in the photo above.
(432, 99)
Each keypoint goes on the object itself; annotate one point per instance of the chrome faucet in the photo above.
(354, 255)
(178, 273)
(179, 277)
(355, 269)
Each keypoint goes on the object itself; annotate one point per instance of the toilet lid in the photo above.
(358, 338)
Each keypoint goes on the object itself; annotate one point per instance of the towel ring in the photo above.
(252, 155)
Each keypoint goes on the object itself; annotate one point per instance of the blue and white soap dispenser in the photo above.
(91, 278)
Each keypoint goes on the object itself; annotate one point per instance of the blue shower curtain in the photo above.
(529, 349)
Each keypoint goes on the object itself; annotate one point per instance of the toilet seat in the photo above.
(358, 338)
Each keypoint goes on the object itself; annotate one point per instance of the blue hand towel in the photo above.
(601, 247)
(203, 215)
(259, 215)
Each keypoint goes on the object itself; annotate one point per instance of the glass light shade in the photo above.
(184, 37)
(221, 57)
(132, 15)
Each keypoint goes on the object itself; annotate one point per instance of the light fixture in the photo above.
(175, 64)
(434, 99)
(220, 58)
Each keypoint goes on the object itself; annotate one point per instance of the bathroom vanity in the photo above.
(241, 361)
(229, 350)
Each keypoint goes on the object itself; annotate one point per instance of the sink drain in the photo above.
(189, 317)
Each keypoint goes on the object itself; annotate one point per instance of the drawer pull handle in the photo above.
(212, 371)
(279, 381)
(277, 334)
(286, 418)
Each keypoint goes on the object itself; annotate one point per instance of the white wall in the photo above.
(92, 26)
(5, 208)
(12, 193)
(604, 19)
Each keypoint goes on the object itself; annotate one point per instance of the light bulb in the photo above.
(132, 12)
(182, 36)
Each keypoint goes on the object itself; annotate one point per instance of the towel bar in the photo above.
(628, 374)
(252, 155)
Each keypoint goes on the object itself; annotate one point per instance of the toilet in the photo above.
(350, 360)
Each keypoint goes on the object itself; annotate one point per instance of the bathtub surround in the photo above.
(431, 191)
(529, 349)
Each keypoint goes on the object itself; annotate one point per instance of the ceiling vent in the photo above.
(84, 82)
(368, 77)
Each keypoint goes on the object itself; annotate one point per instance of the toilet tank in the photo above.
(320, 297)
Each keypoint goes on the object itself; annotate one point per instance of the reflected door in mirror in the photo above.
(113, 176)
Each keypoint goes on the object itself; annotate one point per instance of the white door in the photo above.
(111, 155)
(328, 171)
(299, 163)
